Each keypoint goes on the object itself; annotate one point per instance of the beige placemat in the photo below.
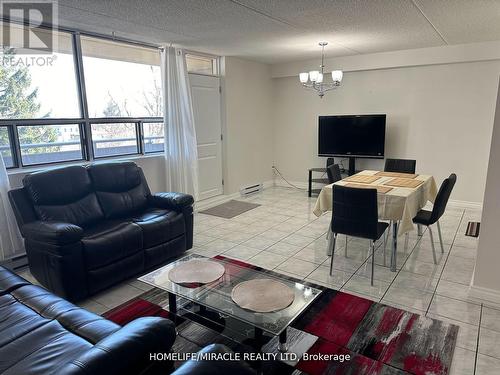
(196, 271)
(262, 295)
(380, 189)
(404, 182)
(396, 174)
(361, 178)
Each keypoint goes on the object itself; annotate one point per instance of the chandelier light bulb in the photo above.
(314, 75)
(320, 78)
(303, 77)
(337, 75)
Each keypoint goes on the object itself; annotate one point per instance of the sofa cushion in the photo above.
(120, 188)
(109, 241)
(41, 350)
(17, 319)
(159, 225)
(10, 281)
(81, 322)
(64, 195)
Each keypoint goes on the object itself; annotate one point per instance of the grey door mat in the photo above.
(230, 209)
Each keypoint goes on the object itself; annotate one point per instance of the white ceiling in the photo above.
(274, 31)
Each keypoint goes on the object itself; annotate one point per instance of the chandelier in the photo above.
(314, 79)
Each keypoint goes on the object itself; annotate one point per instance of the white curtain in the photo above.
(181, 155)
(10, 238)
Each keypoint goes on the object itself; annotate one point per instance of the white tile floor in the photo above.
(284, 235)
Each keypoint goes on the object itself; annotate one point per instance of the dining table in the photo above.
(399, 197)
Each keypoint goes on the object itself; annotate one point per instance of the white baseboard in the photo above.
(282, 183)
(267, 184)
(219, 199)
(487, 294)
(465, 204)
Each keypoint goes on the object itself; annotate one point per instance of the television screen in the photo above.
(356, 135)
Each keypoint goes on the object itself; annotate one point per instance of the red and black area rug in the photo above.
(379, 339)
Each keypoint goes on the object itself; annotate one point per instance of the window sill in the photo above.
(26, 170)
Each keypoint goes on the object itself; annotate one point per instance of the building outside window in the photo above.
(90, 98)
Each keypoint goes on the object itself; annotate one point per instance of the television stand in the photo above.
(352, 165)
(321, 180)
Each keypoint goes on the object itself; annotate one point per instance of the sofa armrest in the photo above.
(203, 367)
(53, 232)
(128, 350)
(173, 201)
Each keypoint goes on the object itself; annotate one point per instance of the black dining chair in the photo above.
(428, 218)
(330, 161)
(355, 213)
(400, 165)
(333, 172)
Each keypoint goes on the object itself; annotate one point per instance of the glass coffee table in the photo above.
(217, 296)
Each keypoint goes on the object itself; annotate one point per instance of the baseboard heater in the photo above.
(252, 189)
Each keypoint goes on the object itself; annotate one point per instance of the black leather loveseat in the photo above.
(86, 228)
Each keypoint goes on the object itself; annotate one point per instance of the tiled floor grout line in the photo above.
(357, 269)
(255, 235)
(477, 342)
(444, 265)
(317, 265)
(313, 239)
(398, 272)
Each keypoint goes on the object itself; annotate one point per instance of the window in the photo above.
(114, 139)
(91, 98)
(53, 143)
(5, 148)
(154, 140)
(121, 80)
(200, 64)
(38, 86)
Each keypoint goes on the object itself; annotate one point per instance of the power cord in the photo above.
(284, 179)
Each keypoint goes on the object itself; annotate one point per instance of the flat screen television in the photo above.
(357, 136)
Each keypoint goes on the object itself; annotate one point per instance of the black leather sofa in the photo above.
(43, 334)
(86, 228)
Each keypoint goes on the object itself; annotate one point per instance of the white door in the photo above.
(207, 117)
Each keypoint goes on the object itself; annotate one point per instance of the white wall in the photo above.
(440, 115)
(486, 273)
(247, 90)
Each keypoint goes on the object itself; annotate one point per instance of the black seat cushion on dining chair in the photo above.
(355, 213)
(425, 217)
(333, 172)
(400, 165)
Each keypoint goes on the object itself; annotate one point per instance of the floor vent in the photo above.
(252, 189)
